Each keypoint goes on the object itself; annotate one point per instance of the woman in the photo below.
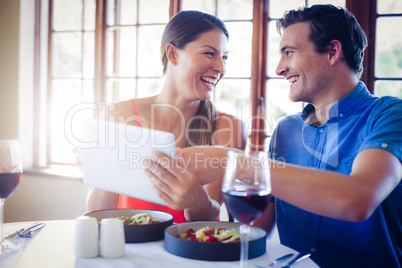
(193, 53)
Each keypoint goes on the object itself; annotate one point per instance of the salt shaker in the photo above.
(112, 241)
(86, 237)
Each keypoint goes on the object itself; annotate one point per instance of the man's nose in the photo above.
(281, 69)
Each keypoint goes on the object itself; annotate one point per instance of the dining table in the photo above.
(53, 247)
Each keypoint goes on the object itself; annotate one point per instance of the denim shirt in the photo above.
(357, 122)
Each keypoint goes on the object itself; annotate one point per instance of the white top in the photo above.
(53, 247)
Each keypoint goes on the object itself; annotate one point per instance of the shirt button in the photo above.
(341, 115)
(384, 145)
(312, 249)
(321, 130)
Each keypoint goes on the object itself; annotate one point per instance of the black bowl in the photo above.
(213, 251)
(137, 233)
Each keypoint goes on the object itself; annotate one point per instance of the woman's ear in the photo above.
(171, 53)
(335, 51)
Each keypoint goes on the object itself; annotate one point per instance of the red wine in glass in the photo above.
(246, 206)
(10, 173)
(8, 183)
(246, 187)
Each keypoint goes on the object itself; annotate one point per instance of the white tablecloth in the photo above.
(53, 247)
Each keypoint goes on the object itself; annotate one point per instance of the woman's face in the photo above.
(201, 64)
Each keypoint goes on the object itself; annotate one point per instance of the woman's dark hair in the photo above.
(328, 23)
(183, 28)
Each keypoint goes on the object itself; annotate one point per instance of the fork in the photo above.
(298, 258)
(27, 233)
(275, 262)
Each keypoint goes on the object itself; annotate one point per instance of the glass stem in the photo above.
(2, 219)
(244, 230)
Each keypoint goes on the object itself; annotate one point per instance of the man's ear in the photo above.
(335, 51)
(171, 53)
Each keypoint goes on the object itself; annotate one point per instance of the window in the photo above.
(388, 54)
(104, 51)
(70, 70)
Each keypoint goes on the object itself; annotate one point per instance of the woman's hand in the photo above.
(179, 187)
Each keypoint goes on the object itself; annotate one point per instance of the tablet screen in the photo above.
(111, 157)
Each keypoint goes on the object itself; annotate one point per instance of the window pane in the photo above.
(235, 10)
(232, 96)
(388, 48)
(119, 89)
(148, 87)
(389, 6)
(126, 14)
(239, 60)
(155, 11)
(279, 105)
(207, 6)
(121, 51)
(149, 38)
(88, 91)
(65, 95)
(66, 55)
(278, 7)
(67, 15)
(89, 48)
(89, 16)
(388, 88)
(273, 49)
(332, 2)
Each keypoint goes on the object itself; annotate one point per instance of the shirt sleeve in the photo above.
(386, 127)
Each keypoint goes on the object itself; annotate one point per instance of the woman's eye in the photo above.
(225, 57)
(288, 52)
(209, 53)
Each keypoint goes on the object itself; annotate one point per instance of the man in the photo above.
(345, 206)
(337, 189)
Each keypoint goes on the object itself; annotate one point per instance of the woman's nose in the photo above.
(220, 65)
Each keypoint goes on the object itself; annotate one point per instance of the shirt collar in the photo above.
(344, 106)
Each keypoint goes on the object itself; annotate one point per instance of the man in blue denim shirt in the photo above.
(345, 205)
(337, 168)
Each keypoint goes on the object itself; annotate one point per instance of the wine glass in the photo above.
(10, 173)
(246, 187)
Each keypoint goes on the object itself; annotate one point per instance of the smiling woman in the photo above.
(193, 53)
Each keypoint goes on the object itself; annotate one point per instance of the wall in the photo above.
(9, 18)
(46, 198)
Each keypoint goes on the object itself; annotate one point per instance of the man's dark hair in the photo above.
(328, 23)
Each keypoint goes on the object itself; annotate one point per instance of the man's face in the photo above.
(304, 68)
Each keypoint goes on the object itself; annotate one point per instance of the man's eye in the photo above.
(209, 53)
(288, 52)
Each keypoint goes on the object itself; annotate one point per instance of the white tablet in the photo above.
(111, 157)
